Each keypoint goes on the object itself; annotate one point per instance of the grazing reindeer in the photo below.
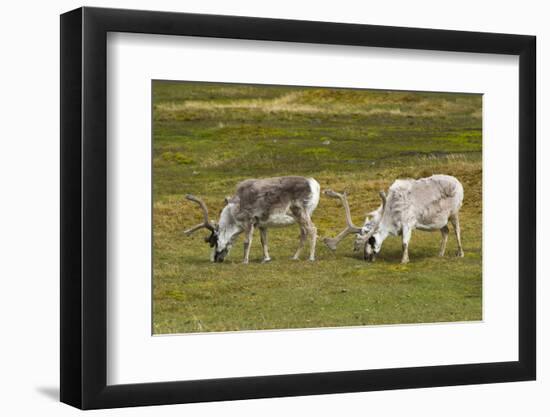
(424, 204)
(262, 203)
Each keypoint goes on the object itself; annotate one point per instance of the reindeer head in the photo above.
(221, 235)
(366, 236)
(370, 238)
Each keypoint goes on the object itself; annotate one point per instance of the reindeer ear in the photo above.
(226, 200)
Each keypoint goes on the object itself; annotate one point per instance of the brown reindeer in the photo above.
(262, 203)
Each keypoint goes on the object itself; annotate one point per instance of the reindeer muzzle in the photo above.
(370, 257)
(220, 256)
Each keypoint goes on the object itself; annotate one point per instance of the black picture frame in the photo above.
(84, 207)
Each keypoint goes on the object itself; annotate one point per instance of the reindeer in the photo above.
(425, 204)
(262, 203)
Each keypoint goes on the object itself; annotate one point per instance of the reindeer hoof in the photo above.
(245, 262)
(460, 254)
(266, 260)
(295, 258)
(311, 259)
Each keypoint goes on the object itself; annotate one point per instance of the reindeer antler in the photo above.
(350, 228)
(206, 223)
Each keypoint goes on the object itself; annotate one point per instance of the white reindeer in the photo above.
(425, 204)
(262, 203)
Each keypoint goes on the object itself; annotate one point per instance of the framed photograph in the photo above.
(246, 208)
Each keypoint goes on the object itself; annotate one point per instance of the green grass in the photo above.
(208, 137)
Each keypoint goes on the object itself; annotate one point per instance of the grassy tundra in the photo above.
(208, 137)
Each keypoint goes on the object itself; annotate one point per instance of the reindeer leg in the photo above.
(406, 239)
(444, 237)
(456, 225)
(263, 239)
(248, 243)
(306, 228)
(312, 232)
(313, 236)
(303, 235)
